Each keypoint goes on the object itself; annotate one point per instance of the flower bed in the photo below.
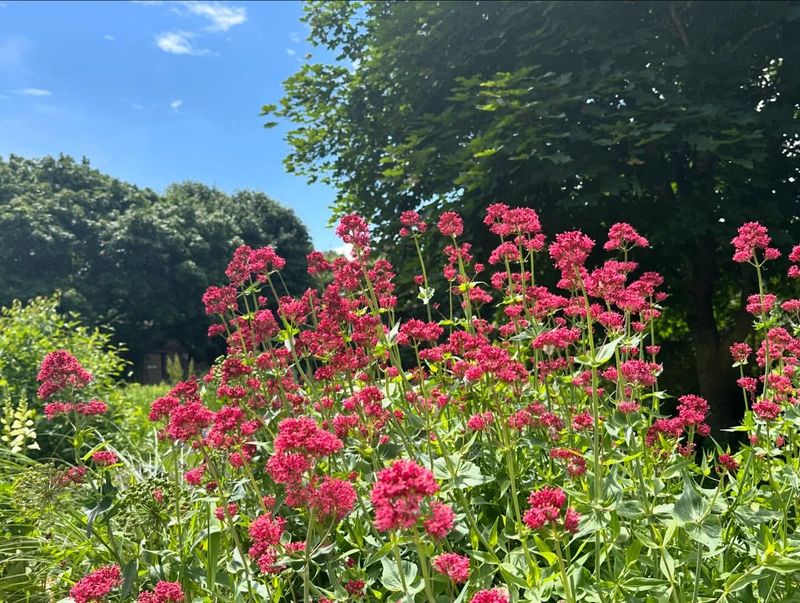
(491, 452)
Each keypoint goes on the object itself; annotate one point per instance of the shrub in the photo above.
(525, 458)
(29, 331)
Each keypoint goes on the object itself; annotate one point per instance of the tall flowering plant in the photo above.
(512, 445)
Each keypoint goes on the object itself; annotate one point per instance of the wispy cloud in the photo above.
(33, 92)
(109, 37)
(176, 104)
(222, 17)
(291, 52)
(179, 42)
(294, 37)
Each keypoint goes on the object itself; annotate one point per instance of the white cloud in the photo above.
(137, 106)
(178, 42)
(176, 104)
(33, 92)
(294, 37)
(222, 17)
(291, 52)
(346, 250)
(109, 37)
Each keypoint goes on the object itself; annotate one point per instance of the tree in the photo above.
(678, 117)
(130, 258)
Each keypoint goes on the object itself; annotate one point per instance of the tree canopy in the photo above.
(678, 117)
(128, 257)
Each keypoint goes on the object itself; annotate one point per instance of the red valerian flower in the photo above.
(96, 586)
(334, 498)
(218, 300)
(441, 520)
(570, 250)
(266, 532)
(480, 421)
(558, 338)
(640, 372)
(164, 592)
(452, 565)
(628, 407)
(56, 409)
(412, 223)
(727, 462)
(354, 230)
(355, 587)
(692, 410)
(73, 475)
(751, 237)
(194, 476)
(766, 410)
(740, 352)
(398, 493)
(624, 236)
(415, 330)
(494, 595)
(59, 370)
(302, 434)
(546, 508)
(231, 509)
(760, 304)
(318, 263)
(104, 457)
(451, 224)
(188, 421)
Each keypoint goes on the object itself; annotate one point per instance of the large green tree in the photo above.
(127, 257)
(678, 117)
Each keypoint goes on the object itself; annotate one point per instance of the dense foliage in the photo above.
(127, 257)
(680, 117)
(529, 458)
(29, 331)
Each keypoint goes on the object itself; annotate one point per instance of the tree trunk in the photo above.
(716, 378)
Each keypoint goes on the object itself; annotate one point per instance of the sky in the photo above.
(158, 92)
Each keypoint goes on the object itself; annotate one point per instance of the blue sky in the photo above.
(158, 92)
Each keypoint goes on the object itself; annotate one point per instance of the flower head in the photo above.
(494, 595)
(96, 586)
(624, 236)
(451, 224)
(164, 592)
(455, 567)
(547, 508)
(59, 370)
(398, 493)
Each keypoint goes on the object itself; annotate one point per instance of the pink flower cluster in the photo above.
(398, 494)
(547, 508)
(164, 592)
(87, 409)
(751, 237)
(60, 370)
(97, 585)
(452, 565)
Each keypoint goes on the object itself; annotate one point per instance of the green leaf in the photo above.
(391, 580)
(690, 506)
(129, 573)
